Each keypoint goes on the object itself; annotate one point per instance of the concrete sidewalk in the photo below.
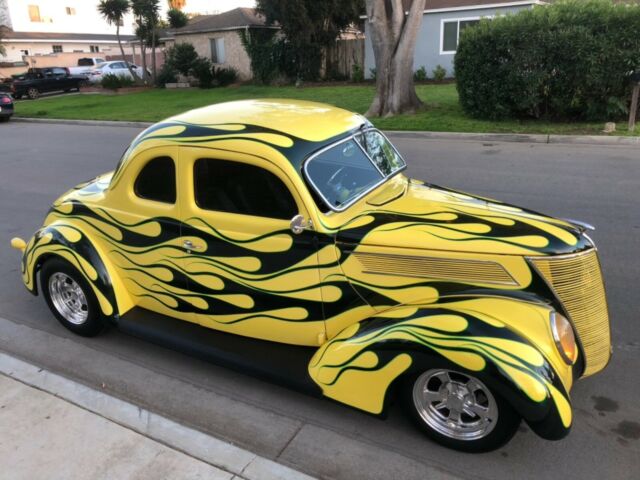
(43, 435)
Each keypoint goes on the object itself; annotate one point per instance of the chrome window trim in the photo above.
(364, 193)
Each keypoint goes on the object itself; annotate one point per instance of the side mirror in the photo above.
(299, 224)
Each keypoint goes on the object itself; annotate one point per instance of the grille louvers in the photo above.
(577, 281)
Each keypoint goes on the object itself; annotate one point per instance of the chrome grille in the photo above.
(462, 270)
(577, 281)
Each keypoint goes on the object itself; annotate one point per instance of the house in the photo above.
(63, 29)
(218, 37)
(442, 23)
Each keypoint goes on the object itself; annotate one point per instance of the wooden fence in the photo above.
(343, 56)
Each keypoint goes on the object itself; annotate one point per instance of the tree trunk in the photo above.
(393, 37)
(131, 71)
(143, 50)
(153, 56)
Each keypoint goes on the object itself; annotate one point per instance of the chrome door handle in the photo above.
(189, 245)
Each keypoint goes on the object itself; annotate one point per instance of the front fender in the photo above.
(504, 342)
(68, 241)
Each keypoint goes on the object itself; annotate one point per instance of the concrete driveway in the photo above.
(600, 185)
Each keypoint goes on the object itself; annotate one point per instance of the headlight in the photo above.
(563, 336)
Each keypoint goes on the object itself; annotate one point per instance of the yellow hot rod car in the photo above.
(282, 238)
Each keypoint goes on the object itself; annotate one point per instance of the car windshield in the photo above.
(349, 169)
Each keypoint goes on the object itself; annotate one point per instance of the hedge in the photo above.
(568, 60)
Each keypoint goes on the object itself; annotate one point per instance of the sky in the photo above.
(215, 6)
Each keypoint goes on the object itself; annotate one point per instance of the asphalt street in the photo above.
(600, 185)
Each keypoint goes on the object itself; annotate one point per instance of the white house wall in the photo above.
(428, 45)
(56, 20)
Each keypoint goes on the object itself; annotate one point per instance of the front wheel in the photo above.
(70, 298)
(459, 411)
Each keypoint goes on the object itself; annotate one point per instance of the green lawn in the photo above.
(443, 113)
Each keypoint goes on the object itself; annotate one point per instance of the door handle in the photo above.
(189, 245)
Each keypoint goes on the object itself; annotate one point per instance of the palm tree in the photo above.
(113, 11)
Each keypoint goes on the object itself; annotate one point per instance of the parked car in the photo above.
(6, 107)
(119, 68)
(283, 238)
(6, 85)
(85, 64)
(50, 79)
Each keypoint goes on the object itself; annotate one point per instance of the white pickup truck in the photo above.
(85, 64)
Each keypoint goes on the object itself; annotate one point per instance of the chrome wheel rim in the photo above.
(33, 93)
(68, 298)
(454, 404)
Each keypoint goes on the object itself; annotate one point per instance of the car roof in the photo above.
(295, 128)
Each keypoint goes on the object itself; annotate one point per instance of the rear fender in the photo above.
(360, 365)
(66, 240)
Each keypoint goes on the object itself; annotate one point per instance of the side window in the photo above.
(157, 181)
(241, 188)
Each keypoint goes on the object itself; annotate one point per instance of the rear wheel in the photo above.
(33, 93)
(70, 298)
(4, 119)
(459, 411)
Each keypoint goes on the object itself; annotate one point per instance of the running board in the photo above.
(277, 362)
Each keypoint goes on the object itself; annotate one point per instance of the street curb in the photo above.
(92, 123)
(208, 449)
(519, 138)
(478, 137)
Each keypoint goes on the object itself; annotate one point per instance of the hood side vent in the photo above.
(452, 269)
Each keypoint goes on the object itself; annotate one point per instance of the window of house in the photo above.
(71, 11)
(217, 50)
(235, 187)
(94, 48)
(34, 13)
(25, 52)
(157, 181)
(450, 34)
(57, 48)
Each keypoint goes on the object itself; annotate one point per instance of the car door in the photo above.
(48, 82)
(255, 277)
(147, 248)
(63, 81)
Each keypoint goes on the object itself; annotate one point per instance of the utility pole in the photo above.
(634, 106)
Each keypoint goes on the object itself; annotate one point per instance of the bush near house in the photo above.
(113, 82)
(569, 60)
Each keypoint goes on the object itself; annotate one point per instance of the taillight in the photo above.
(5, 100)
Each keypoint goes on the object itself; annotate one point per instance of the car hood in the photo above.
(412, 214)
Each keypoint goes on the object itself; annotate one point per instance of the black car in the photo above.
(6, 107)
(51, 79)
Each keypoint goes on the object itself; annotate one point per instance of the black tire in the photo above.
(17, 96)
(499, 432)
(33, 93)
(4, 119)
(94, 324)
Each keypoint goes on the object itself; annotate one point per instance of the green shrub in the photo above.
(202, 69)
(568, 60)
(181, 58)
(223, 76)
(357, 73)
(420, 75)
(439, 73)
(166, 75)
(113, 82)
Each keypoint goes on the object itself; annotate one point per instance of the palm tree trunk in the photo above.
(153, 56)
(131, 70)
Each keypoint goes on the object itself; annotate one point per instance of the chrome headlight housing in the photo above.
(564, 337)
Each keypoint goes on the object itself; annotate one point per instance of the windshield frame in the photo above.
(364, 193)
